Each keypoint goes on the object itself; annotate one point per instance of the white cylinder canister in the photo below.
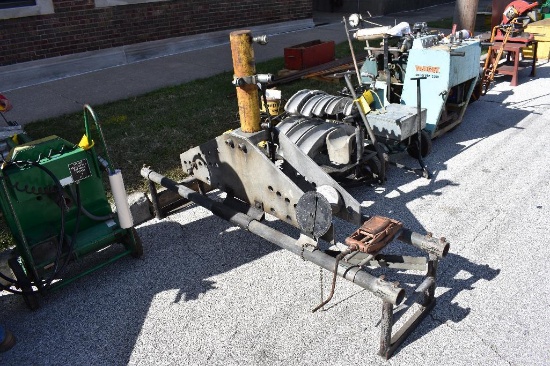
(121, 200)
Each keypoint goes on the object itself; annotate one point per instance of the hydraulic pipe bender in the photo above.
(262, 171)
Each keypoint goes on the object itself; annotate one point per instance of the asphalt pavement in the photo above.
(208, 293)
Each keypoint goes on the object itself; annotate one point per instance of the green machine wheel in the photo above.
(133, 242)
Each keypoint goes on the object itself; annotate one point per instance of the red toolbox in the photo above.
(309, 54)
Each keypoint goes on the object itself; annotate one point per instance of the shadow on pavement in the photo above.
(97, 319)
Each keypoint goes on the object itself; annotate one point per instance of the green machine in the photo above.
(54, 202)
(545, 10)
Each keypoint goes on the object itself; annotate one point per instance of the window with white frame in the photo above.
(24, 8)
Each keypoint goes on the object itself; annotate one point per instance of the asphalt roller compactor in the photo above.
(54, 202)
(262, 171)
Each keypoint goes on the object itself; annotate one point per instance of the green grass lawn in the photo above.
(155, 128)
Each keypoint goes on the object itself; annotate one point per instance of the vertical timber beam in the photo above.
(244, 66)
(465, 14)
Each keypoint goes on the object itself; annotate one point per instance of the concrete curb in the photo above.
(41, 71)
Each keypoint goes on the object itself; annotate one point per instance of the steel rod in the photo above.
(425, 285)
(386, 324)
(383, 289)
(155, 200)
(372, 136)
(352, 52)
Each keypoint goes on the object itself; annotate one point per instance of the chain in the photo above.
(304, 245)
(321, 282)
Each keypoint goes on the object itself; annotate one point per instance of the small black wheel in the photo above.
(426, 141)
(477, 92)
(24, 284)
(132, 241)
(373, 168)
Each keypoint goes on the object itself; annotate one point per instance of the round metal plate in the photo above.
(314, 214)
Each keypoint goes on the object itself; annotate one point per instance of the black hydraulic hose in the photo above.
(87, 213)
(4, 118)
(73, 238)
(59, 187)
(8, 288)
(62, 230)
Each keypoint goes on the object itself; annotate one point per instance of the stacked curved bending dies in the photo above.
(309, 103)
(394, 122)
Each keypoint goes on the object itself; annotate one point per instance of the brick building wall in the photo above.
(375, 7)
(78, 25)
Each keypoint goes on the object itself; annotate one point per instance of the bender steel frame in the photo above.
(293, 188)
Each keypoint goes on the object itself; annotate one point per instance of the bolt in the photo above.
(230, 143)
(261, 40)
(242, 147)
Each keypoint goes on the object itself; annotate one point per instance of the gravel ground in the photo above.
(207, 293)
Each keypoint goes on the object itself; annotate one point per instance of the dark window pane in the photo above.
(6, 4)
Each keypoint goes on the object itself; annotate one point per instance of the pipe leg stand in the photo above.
(155, 200)
(385, 329)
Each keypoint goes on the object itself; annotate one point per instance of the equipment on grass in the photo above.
(260, 170)
(53, 201)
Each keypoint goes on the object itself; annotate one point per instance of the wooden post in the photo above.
(465, 15)
(243, 66)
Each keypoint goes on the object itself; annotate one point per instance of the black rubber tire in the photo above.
(24, 284)
(426, 141)
(373, 167)
(476, 93)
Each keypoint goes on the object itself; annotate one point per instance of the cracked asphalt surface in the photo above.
(206, 292)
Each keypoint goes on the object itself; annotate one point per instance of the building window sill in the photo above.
(107, 3)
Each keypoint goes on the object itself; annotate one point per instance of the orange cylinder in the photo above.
(244, 65)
